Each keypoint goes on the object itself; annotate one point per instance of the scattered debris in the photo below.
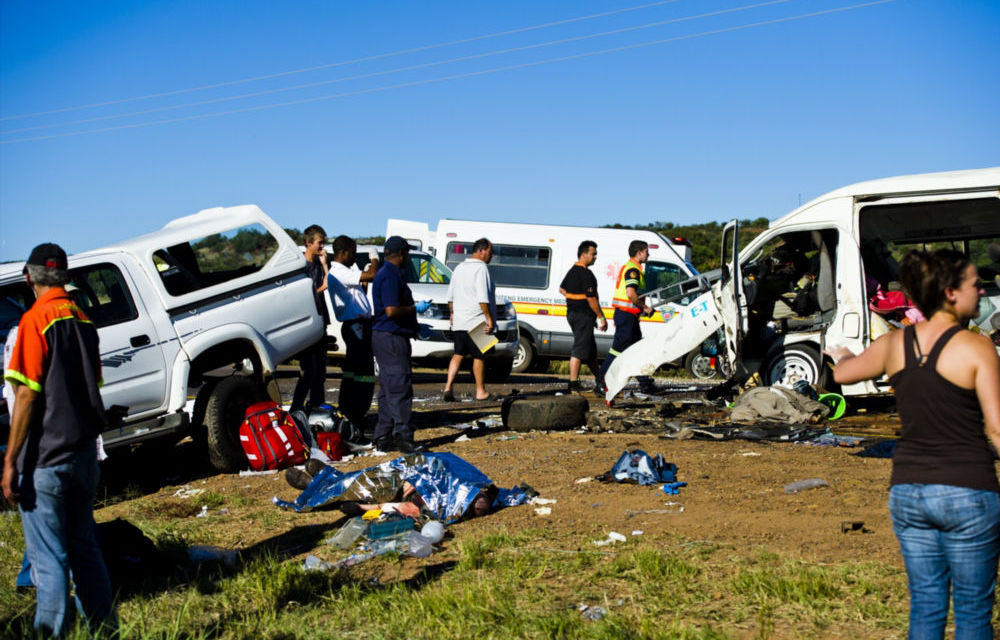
(187, 492)
(202, 553)
(249, 472)
(544, 511)
(854, 526)
(582, 480)
(591, 613)
(612, 538)
(637, 532)
(673, 488)
(802, 485)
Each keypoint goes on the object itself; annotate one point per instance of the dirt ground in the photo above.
(734, 497)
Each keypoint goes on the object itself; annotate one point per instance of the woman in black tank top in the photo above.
(943, 498)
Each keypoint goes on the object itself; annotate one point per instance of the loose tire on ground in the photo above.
(525, 355)
(224, 412)
(545, 412)
(497, 370)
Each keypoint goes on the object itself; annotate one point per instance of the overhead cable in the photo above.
(380, 56)
(461, 75)
(415, 67)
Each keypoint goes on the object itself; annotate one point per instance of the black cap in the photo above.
(47, 254)
(395, 244)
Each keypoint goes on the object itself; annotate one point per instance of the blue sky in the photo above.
(743, 123)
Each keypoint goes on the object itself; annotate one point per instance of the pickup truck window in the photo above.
(102, 293)
(214, 259)
(512, 265)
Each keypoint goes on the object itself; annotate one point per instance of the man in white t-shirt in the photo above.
(346, 289)
(472, 302)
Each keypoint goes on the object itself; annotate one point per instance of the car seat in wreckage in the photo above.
(688, 326)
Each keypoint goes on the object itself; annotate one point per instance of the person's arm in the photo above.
(396, 312)
(850, 368)
(369, 273)
(988, 389)
(483, 293)
(595, 306)
(24, 407)
(632, 291)
(485, 307)
(326, 272)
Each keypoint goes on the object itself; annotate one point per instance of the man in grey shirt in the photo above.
(471, 302)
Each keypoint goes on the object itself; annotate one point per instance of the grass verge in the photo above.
(498, 585)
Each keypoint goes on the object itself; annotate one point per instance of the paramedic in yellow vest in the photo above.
(629, 303)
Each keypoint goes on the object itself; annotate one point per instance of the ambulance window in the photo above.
(512, 265)
(661, 274)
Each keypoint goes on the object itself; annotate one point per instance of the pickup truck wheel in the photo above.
(524, 356)
(545, 412)
(224, 411)
(794, 363)
(700, 366)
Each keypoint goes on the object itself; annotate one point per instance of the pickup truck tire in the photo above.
(545, 412)
(224, 412)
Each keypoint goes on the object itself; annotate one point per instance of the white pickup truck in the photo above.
(223, 288)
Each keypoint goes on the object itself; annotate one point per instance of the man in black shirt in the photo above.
(312, 359)
(582, 309)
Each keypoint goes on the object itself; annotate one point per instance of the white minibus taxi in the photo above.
(530, 261)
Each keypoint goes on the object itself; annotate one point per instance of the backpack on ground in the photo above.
(270, 438)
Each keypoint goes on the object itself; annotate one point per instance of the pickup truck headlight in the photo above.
(432, 312)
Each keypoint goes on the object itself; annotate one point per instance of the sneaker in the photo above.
(407, 445)
(385, 443)
(574, 385)
(358, 443)
(314, 466)
(297, 478)
(448, 396)
(600, 389)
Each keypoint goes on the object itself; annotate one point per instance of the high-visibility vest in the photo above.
(621, 301)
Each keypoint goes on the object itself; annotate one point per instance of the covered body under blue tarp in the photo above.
(446, 483)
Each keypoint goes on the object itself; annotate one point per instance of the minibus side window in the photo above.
(512, 265)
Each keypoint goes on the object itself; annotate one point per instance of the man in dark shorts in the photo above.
(582, 310)
(472, 304)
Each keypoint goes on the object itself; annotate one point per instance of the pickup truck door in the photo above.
(132, 360)
(731, 297)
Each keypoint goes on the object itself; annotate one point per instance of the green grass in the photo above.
(504, 584)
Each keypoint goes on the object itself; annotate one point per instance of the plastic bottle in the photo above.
(801, 485)
(349, 533)
(418, 546)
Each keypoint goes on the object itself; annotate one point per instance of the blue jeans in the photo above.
(949, 536)
(60, 536)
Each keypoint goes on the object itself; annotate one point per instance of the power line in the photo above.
(331, 65)
(373, 74)
(461, 75)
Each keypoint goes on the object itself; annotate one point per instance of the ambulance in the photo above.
(530, 261)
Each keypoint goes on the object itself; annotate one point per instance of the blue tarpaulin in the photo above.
(447, 483)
